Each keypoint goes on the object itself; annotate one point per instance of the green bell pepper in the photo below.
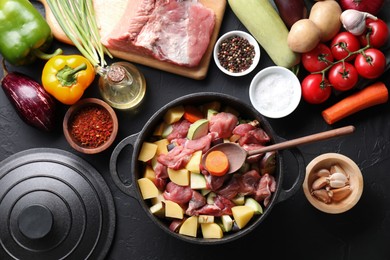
(24, 33)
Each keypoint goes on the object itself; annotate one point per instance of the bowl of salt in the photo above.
(275, 92)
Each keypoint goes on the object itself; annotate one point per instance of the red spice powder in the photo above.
(91, 126)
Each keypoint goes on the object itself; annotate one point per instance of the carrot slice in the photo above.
(217, 163)
(372, 95)
(192, 114)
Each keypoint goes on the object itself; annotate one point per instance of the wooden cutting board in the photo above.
(197, 73)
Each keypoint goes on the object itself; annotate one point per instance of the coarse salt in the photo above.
(274, 93)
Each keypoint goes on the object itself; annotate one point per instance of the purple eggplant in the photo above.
(291, 11)
(33, 104)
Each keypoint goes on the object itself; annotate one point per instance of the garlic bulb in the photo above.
(355, 21)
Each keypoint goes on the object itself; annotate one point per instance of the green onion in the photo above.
(77, 20)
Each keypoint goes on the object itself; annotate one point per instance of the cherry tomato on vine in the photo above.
(317, 59)
(343, 76)
(379, 33)
(371, 64)
(315, 90)
(344, 43)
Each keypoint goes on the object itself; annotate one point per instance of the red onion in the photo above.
(369, 6)
(291, 11)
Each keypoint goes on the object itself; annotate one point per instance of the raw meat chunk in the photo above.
(169, 30)
(223, 124)
(177, 193)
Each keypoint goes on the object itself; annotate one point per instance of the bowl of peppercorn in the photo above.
(90, 126)
(236, 53)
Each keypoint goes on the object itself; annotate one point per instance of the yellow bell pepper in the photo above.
(67, 76)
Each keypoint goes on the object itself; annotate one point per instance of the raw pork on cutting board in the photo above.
(176, 31)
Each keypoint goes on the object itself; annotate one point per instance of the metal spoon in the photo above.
(237, 155)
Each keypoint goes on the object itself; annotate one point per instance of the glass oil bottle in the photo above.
(122, 85)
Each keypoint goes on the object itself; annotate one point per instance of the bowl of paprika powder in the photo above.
(90, 126)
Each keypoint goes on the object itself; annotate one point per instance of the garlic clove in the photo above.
(340, 193)
(337, 168)
(354, 21)
(319, 183)
(338, 180)
(322, 195)
(322, 172)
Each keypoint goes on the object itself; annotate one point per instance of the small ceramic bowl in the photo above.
(250, 39)
(355, 181)
(275, 92)
(95, 115)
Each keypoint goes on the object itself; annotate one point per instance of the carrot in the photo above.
(372, 95)
(217, 163)
(192, 114)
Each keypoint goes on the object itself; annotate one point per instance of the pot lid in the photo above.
(53, 205)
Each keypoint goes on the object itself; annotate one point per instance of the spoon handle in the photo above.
(305, 140)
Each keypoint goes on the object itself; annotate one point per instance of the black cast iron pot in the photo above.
(246, 112)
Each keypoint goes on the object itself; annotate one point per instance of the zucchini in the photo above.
(264, 23)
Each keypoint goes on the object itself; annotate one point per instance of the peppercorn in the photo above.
(236, 54)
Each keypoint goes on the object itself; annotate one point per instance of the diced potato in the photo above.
(193, 164)
(180, 177)
(197, 181)
(234, 138)
(242, 215)
(162, 146)
(158, 199)
(173, 210)
(239, 199)
(149, 173)
(174, 114)
(148, 150)
(148, 189)
(158, 210)
(189, 226)
(211, 230)
(206, 219)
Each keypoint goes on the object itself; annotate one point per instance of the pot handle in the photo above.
(124, 187)
(285, 194)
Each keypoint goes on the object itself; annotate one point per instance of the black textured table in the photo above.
(294, 229)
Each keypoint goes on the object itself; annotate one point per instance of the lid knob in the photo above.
(35, 221)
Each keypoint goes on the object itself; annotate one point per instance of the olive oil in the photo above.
(122, 85)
